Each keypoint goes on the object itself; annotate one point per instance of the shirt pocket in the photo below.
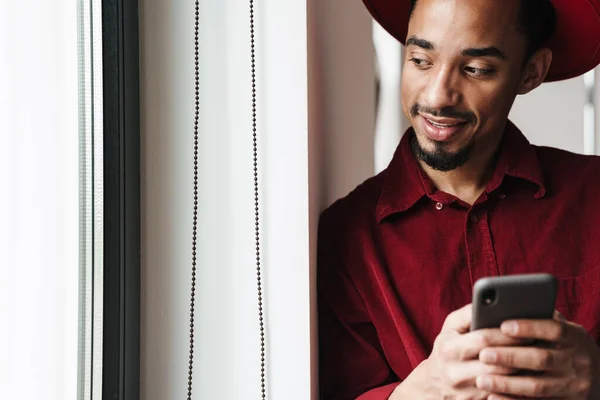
(576, 301)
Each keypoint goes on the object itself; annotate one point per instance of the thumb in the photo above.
(558, 316)
(459, 320)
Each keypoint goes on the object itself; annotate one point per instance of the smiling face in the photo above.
(464, 66)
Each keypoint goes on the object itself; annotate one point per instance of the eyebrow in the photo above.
(491, 51)
(422, 43)
(485, 52)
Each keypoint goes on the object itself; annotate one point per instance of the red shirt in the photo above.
(396, 256)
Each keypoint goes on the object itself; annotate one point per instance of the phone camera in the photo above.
(489, 297)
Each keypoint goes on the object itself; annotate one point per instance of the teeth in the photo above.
(441, 125)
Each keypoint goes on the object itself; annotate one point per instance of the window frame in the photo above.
(121, 117)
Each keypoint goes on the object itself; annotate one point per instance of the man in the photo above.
(466, 196)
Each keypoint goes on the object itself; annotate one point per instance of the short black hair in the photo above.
(537, 20)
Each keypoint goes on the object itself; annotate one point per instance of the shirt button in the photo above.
(501, 196)
(439, 206)
(474, 218)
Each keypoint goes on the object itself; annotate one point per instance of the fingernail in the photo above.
(484, 383)
(488, 356)
(512, 328)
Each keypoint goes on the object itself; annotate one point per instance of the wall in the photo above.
(342, 93)
(39, 202)
(552, 115)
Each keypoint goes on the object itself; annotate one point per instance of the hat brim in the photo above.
(575, 45)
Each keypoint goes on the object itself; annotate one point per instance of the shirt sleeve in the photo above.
(351, 361)
(382, 392)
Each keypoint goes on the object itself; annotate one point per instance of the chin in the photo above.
(430, 145)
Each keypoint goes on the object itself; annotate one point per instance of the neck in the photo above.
(468, 181)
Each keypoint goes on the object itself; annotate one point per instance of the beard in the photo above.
(439, 158)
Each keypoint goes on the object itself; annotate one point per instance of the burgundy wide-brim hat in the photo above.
(575, 45)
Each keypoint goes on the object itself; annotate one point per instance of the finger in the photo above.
(467, 346)
(459, 320)
(462, 375)
(495, 396)
(549, 330)
(530, 358)
(536, 387)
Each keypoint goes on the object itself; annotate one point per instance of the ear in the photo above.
(535, 71)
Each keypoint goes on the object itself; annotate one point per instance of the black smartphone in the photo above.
(502, 298)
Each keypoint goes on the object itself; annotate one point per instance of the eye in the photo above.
(419, 62)
(479, 71)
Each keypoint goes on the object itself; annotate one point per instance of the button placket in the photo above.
(480, 249)
(488, 246)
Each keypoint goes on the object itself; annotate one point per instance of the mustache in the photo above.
(446, 112)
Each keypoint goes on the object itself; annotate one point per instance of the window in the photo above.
(69, 169)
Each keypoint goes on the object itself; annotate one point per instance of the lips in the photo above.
(443, 125)
(441, 129)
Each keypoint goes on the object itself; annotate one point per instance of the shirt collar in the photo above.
(405, 182)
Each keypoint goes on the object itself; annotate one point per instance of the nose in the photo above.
(441, 90)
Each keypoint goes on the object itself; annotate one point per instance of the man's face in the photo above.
(462, 72)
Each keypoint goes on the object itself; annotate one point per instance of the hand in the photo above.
(453, 366)
(567, 369)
